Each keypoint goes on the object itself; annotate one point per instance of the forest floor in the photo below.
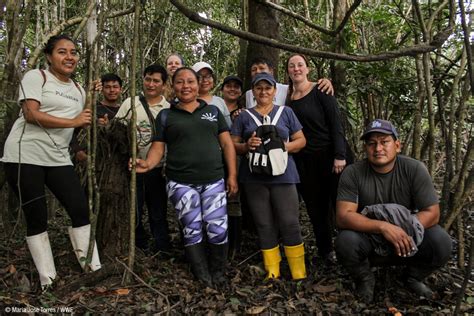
(164, 284)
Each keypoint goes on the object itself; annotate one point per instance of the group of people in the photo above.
(198, 150)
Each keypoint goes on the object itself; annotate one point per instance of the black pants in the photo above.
(318, 188)
(355, 249)
(151, 190)
(275, 210)
(28, 181)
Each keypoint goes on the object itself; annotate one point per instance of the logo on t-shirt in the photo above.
(208, 116)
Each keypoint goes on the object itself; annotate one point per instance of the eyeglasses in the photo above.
(207, 77)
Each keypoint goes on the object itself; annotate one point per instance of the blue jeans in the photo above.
(151, 190)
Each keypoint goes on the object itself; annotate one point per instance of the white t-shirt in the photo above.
(220, 104)
(279, 99)
(144, 126)
(31, 144)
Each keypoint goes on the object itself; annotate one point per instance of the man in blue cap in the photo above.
(388, 213)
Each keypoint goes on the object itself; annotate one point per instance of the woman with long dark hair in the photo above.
(36, 154)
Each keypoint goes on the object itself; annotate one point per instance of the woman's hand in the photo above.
(338, 166)
(141, 166)
(253, 142)
(83, 119)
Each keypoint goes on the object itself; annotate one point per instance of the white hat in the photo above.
(201, 65)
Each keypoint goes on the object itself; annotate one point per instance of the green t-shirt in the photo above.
(192, 141)
(408, 184)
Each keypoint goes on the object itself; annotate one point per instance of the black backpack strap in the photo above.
(148, 113)
(164, 116)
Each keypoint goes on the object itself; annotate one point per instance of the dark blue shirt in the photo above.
(287, 125)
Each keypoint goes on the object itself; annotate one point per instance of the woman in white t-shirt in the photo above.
(36, 154)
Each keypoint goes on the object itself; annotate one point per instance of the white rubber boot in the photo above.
(80, 242)
(40, 250)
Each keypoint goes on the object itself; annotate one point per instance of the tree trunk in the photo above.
(338, 69)
(263, 21)
(416, 144)
(113, 222)
(242, 68)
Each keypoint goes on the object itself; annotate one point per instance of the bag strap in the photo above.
(143, 101)
(266, 118)
(277, 115)
(257, 121)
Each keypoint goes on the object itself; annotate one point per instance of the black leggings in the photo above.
(275, 210)
(62, 181)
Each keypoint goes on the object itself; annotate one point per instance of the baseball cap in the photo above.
(232, 78)
(201, 65)
(264, 76)
(380, 126)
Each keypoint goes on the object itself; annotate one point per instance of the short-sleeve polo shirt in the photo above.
(192, 139)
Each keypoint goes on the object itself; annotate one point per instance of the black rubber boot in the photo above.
(218, 263)
(364, 281)
(197, 258)
(413, 281)
(235, 235)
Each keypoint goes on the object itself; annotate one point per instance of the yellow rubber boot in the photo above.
(271, 260)
(295, 257)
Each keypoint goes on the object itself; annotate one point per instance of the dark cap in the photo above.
(232, 78)
(264, 76)
(380, 126)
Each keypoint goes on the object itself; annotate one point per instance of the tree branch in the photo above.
(296, 16)
(310, 23)
(414, 50)
(61, 27)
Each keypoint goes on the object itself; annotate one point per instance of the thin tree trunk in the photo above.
(463, 186)
(462, 114)
(416, 144)
(133, 136)
(461, 240)
(467, 277)
(431, 122)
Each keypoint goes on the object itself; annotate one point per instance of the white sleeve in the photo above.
(31, 86)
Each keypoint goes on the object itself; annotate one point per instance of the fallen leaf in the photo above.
(241, 293)
(76, 297)
(11, 269)
(324, 288)
(255, 310)
(122, 291)
(394, 311)
(100, 289)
